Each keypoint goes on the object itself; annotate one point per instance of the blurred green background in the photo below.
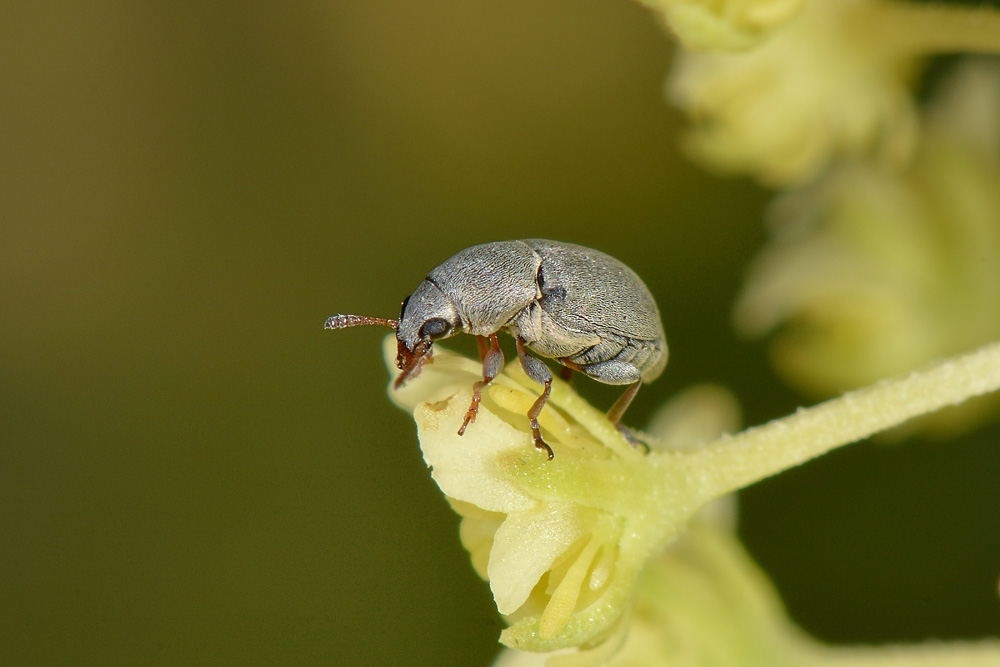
(195, 472)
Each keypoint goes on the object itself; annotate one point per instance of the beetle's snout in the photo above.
(403, 354)
(410, 361)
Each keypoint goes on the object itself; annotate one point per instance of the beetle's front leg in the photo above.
(540, 373)
(483, 343)
(492, 356)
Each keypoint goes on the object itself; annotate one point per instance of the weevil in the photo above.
(578, 306)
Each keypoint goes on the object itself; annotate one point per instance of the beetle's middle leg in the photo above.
(567, 369)
(540, 373)
(492, 356)
(566, 372)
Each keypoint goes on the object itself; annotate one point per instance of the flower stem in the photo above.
(943, 654)
(925, 28)
(734, 462)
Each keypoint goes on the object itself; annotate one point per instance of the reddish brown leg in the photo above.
(492, 356)
(567, 369)
(618, 409)
(540, 373)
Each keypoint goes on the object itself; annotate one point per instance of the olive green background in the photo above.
(194, 472)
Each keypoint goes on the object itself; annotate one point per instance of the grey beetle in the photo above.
(580, 307)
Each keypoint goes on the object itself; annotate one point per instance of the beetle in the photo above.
(578, 306)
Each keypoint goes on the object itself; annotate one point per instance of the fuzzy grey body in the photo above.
(566, 302)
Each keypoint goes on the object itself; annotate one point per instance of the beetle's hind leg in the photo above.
(492, 356)
(618, 409)
(540, 373)
(621, 405)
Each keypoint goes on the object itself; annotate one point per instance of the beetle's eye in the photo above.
(435, 327)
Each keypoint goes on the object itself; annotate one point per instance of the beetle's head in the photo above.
(426, 316)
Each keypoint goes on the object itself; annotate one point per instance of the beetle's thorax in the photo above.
(489, 284)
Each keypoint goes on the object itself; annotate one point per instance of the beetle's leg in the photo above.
(540, 373)
(483, 343)
(492, 356)
(566, 374)
(618, 409)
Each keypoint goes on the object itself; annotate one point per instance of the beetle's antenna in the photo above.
(345, 321)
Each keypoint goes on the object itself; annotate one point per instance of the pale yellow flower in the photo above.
(876, 271)
(561, 542)
(727, 25)
(564, 542)
(824, 86)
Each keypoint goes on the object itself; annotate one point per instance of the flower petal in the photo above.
(471, 467)
(525, 547)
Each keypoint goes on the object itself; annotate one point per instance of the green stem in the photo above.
(734, 462)
(934, 28)
(984, 653)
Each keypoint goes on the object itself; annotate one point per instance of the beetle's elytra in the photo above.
(578, 306)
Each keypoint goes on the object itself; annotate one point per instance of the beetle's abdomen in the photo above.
(606, 361)
(605, 303)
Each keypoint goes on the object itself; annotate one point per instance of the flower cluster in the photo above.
(816, 90)
(876, 270)
(728, 25)
(886, 254)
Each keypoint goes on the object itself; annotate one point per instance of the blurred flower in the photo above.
(876, 271)
(824, 85)
(731, 25)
